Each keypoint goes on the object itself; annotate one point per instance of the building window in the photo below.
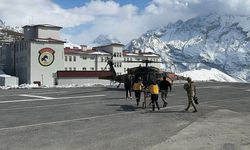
(70, 58)
(84, 68)
(84, 57)
(66, 58)
(92, 68)
(70, 68)
(102, 59)
(102, 68)
(66, 68)
(74, 68)
(74, 58)
(92, 58)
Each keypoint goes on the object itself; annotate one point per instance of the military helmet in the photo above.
(189, 79)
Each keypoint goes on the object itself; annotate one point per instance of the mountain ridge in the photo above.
(204, 42)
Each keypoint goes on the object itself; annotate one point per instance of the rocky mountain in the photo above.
(8, 33)
(104, 40)
(204, 42)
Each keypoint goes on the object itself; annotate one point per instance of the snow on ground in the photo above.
(208, 75)
(33, 86)
(196, 75)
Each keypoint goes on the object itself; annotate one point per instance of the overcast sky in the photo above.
(84, 20)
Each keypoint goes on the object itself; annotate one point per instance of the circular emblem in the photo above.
(46, 56)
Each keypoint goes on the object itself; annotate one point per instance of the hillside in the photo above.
(204, 42)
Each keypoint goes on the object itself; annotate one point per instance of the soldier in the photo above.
(154, 90)
(137, 87)
(128, 85)
(191, 93)
(164, 85)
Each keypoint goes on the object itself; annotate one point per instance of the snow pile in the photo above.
(33, 86)
(4, 75)
(208, 75)
(71, 45)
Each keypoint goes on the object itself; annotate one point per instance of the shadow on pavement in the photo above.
(167, 111)
(124, 107)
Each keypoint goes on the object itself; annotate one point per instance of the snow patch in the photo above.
(208, 75)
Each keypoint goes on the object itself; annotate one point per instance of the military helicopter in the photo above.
(147, 73)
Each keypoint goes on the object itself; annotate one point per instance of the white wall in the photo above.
(45, 74)
(44, 32)
(81, 81)
(80, 63)
(8, 81)
(85, 61)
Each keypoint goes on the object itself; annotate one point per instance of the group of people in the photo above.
(155, 88)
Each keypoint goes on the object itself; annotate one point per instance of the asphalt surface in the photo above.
(99, 118)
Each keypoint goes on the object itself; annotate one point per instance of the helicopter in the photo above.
(146, 73)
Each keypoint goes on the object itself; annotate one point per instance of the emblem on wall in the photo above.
(46, 56)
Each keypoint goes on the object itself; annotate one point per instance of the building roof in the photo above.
(48, 40)
(68, 50)
(43, 25)
(71, 74)
(76, 50)
(126, 53)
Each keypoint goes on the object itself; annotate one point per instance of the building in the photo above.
(37, 57)
(41, 54)
(96, 59)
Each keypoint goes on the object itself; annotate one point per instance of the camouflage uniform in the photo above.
(191, 92)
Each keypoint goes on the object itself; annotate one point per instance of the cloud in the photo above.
(124, 22)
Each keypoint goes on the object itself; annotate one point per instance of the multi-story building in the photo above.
(96, 58)
(38, 57)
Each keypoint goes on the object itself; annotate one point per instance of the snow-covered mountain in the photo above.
(104, 40)
(204, 42)
(8, 33)
(71, 45)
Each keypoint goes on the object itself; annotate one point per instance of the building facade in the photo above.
(96, 59)
(40, 54)
(37, 57)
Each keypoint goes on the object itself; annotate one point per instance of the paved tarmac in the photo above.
(99, 118)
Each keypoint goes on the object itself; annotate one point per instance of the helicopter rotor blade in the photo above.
(106, 67)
